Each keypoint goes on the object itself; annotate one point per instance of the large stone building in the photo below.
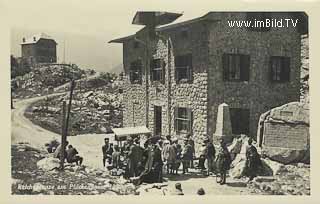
(39, 48)
(175, 79)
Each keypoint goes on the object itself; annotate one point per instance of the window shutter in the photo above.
(285, 69)
(175, 119)
(225, 66)
(163, 71)
(244, 67)
(190, 118)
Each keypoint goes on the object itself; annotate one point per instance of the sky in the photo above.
(83, 28)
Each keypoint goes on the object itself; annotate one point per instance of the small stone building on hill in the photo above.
(39, 48)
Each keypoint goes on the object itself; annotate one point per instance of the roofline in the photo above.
(25, 43)
(163, 28)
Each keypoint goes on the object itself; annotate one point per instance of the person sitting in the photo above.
(57, 152)
(72, 156)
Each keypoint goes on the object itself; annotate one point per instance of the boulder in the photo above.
(48, 164)
(239, 168)
(287, 156)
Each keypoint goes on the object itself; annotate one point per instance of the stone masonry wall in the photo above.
(258, 94)
(189, 95)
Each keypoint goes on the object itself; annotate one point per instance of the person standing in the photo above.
(186, 155)
(253, 161)
(116, 157)
(210, 156)
(223, 161)
(202, 157)
(133, 158)
(106, 151)
(191, 142)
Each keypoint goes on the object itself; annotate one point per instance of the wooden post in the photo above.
(72, 85)
(63, 136)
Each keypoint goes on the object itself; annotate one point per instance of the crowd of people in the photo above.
(148, 162)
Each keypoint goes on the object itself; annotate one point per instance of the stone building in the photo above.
(39, 48)
(175, 79)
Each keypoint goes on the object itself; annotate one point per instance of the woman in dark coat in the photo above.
(223, 161)
(253, 161)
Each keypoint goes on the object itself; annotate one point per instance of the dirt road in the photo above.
(89, 146)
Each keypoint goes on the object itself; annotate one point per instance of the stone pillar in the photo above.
(223, 124)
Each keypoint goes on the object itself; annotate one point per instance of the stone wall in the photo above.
(258, 94)
(170, 94)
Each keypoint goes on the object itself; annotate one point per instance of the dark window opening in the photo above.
(136, 72)
(157, 67)
(280, 69)
(183, 120)
(236, 67)
(120, 91)
(258, 21)
(183, 66)
(240, 120)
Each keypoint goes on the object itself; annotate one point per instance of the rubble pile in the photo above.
(91, 112)
(42, 179)
(43, 78)
(290, 180)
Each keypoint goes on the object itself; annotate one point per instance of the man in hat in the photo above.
(134, 158)
(202, 158)
(106, 151)
(223, 161)
(210, 155)
(187, 155)
(253, 161)
(191, 142)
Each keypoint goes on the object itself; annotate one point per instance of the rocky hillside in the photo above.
(40, 175)
(92, 112)
(44, 77)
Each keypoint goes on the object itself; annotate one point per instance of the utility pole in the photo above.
(72, 85)
(63, 136)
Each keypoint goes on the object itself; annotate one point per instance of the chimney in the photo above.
(23, 39)
(34, 38)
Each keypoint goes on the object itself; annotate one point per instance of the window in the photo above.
(157, 67)
(279, 69)
(183, 66)
(258, 21)
(240, 120)
(135, 72)
(183, 120)
(236, 67)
